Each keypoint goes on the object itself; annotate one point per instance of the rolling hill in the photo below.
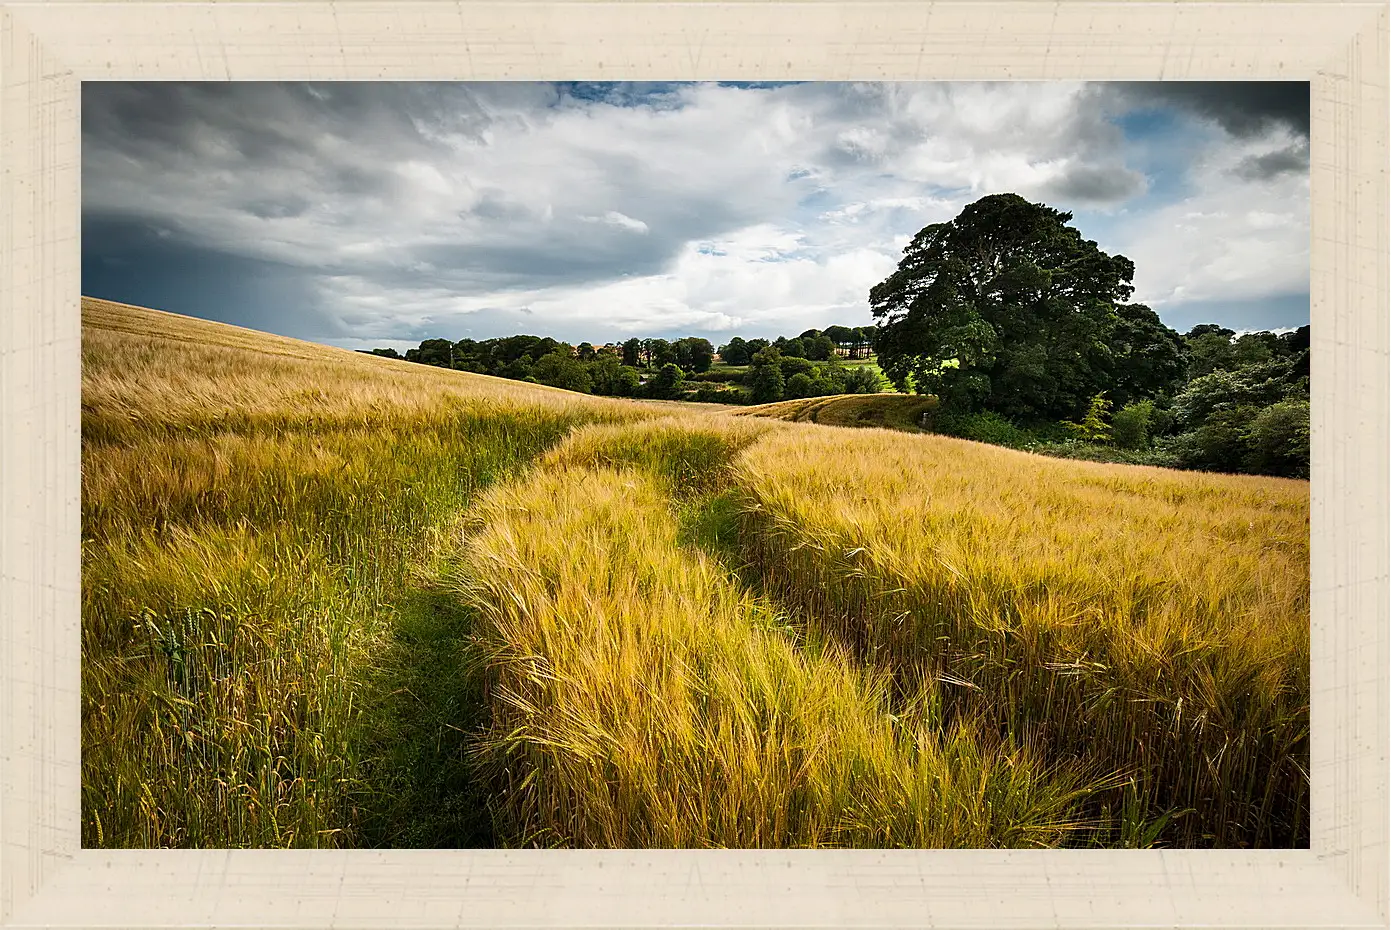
(331, 599)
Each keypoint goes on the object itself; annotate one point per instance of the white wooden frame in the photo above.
(48, 48)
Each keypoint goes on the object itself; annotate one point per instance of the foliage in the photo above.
(735, 352)
(612, 378)
(1130, 427)
(1257, 386)
(563, 371)
(765, 378)
(720, 376)
(855, 340)
(819, 347)
(1278, 437)
(667, 383)
(800, 385)
(984, 426)
(1209, 349)
(692, 354)
(790, 366)
(1219, 442)
(1247, 418)
(1006, 308)
(719, 394)
(1093, 427)
(862, 381)
(437, 352)
(791, 348)
(1146, 359)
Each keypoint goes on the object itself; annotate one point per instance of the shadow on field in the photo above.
(419, 788)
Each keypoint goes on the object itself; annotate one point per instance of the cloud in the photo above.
(1292, 158)
(1089, 184)
(1241, 235)
(1242, 108)
(622, 221)
(398, 211)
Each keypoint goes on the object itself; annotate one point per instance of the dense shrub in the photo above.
(1093, 427)
(667, 384)
(800, 385)
(1278, 440)
(862, 381)
(1130, 427)
(791, 366)
(712, 394)
(985, 426)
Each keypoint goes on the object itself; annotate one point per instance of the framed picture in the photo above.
(610, 579)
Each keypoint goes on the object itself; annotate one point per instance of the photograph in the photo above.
(695, 465)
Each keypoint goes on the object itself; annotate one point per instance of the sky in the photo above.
(368, 215)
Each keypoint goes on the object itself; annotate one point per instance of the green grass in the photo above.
(423, 704)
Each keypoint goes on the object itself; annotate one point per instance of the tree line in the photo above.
(754, 370)
(816, 345)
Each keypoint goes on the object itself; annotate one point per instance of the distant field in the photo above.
(335, 600)
(870, 362)
(894, 411)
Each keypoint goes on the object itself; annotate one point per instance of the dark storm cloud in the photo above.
(339, 137)
(131, 262)
(277, 209)
(1242, 108)
(265, 120)
(225, 157)
(250, 124)
(1273, 164)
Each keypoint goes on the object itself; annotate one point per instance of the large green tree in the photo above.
(765, 379)
(819, 347)
(694, 353)
(560, 369)
(735, 352)
(1007, 308)
(667, 384)
(439, 352)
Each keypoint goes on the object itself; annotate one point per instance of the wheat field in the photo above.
(331, 599)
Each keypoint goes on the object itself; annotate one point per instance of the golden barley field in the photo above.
(335, 600)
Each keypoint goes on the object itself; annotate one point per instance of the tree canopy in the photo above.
(1007, 308)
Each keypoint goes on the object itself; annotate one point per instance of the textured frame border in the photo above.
(47, 49)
